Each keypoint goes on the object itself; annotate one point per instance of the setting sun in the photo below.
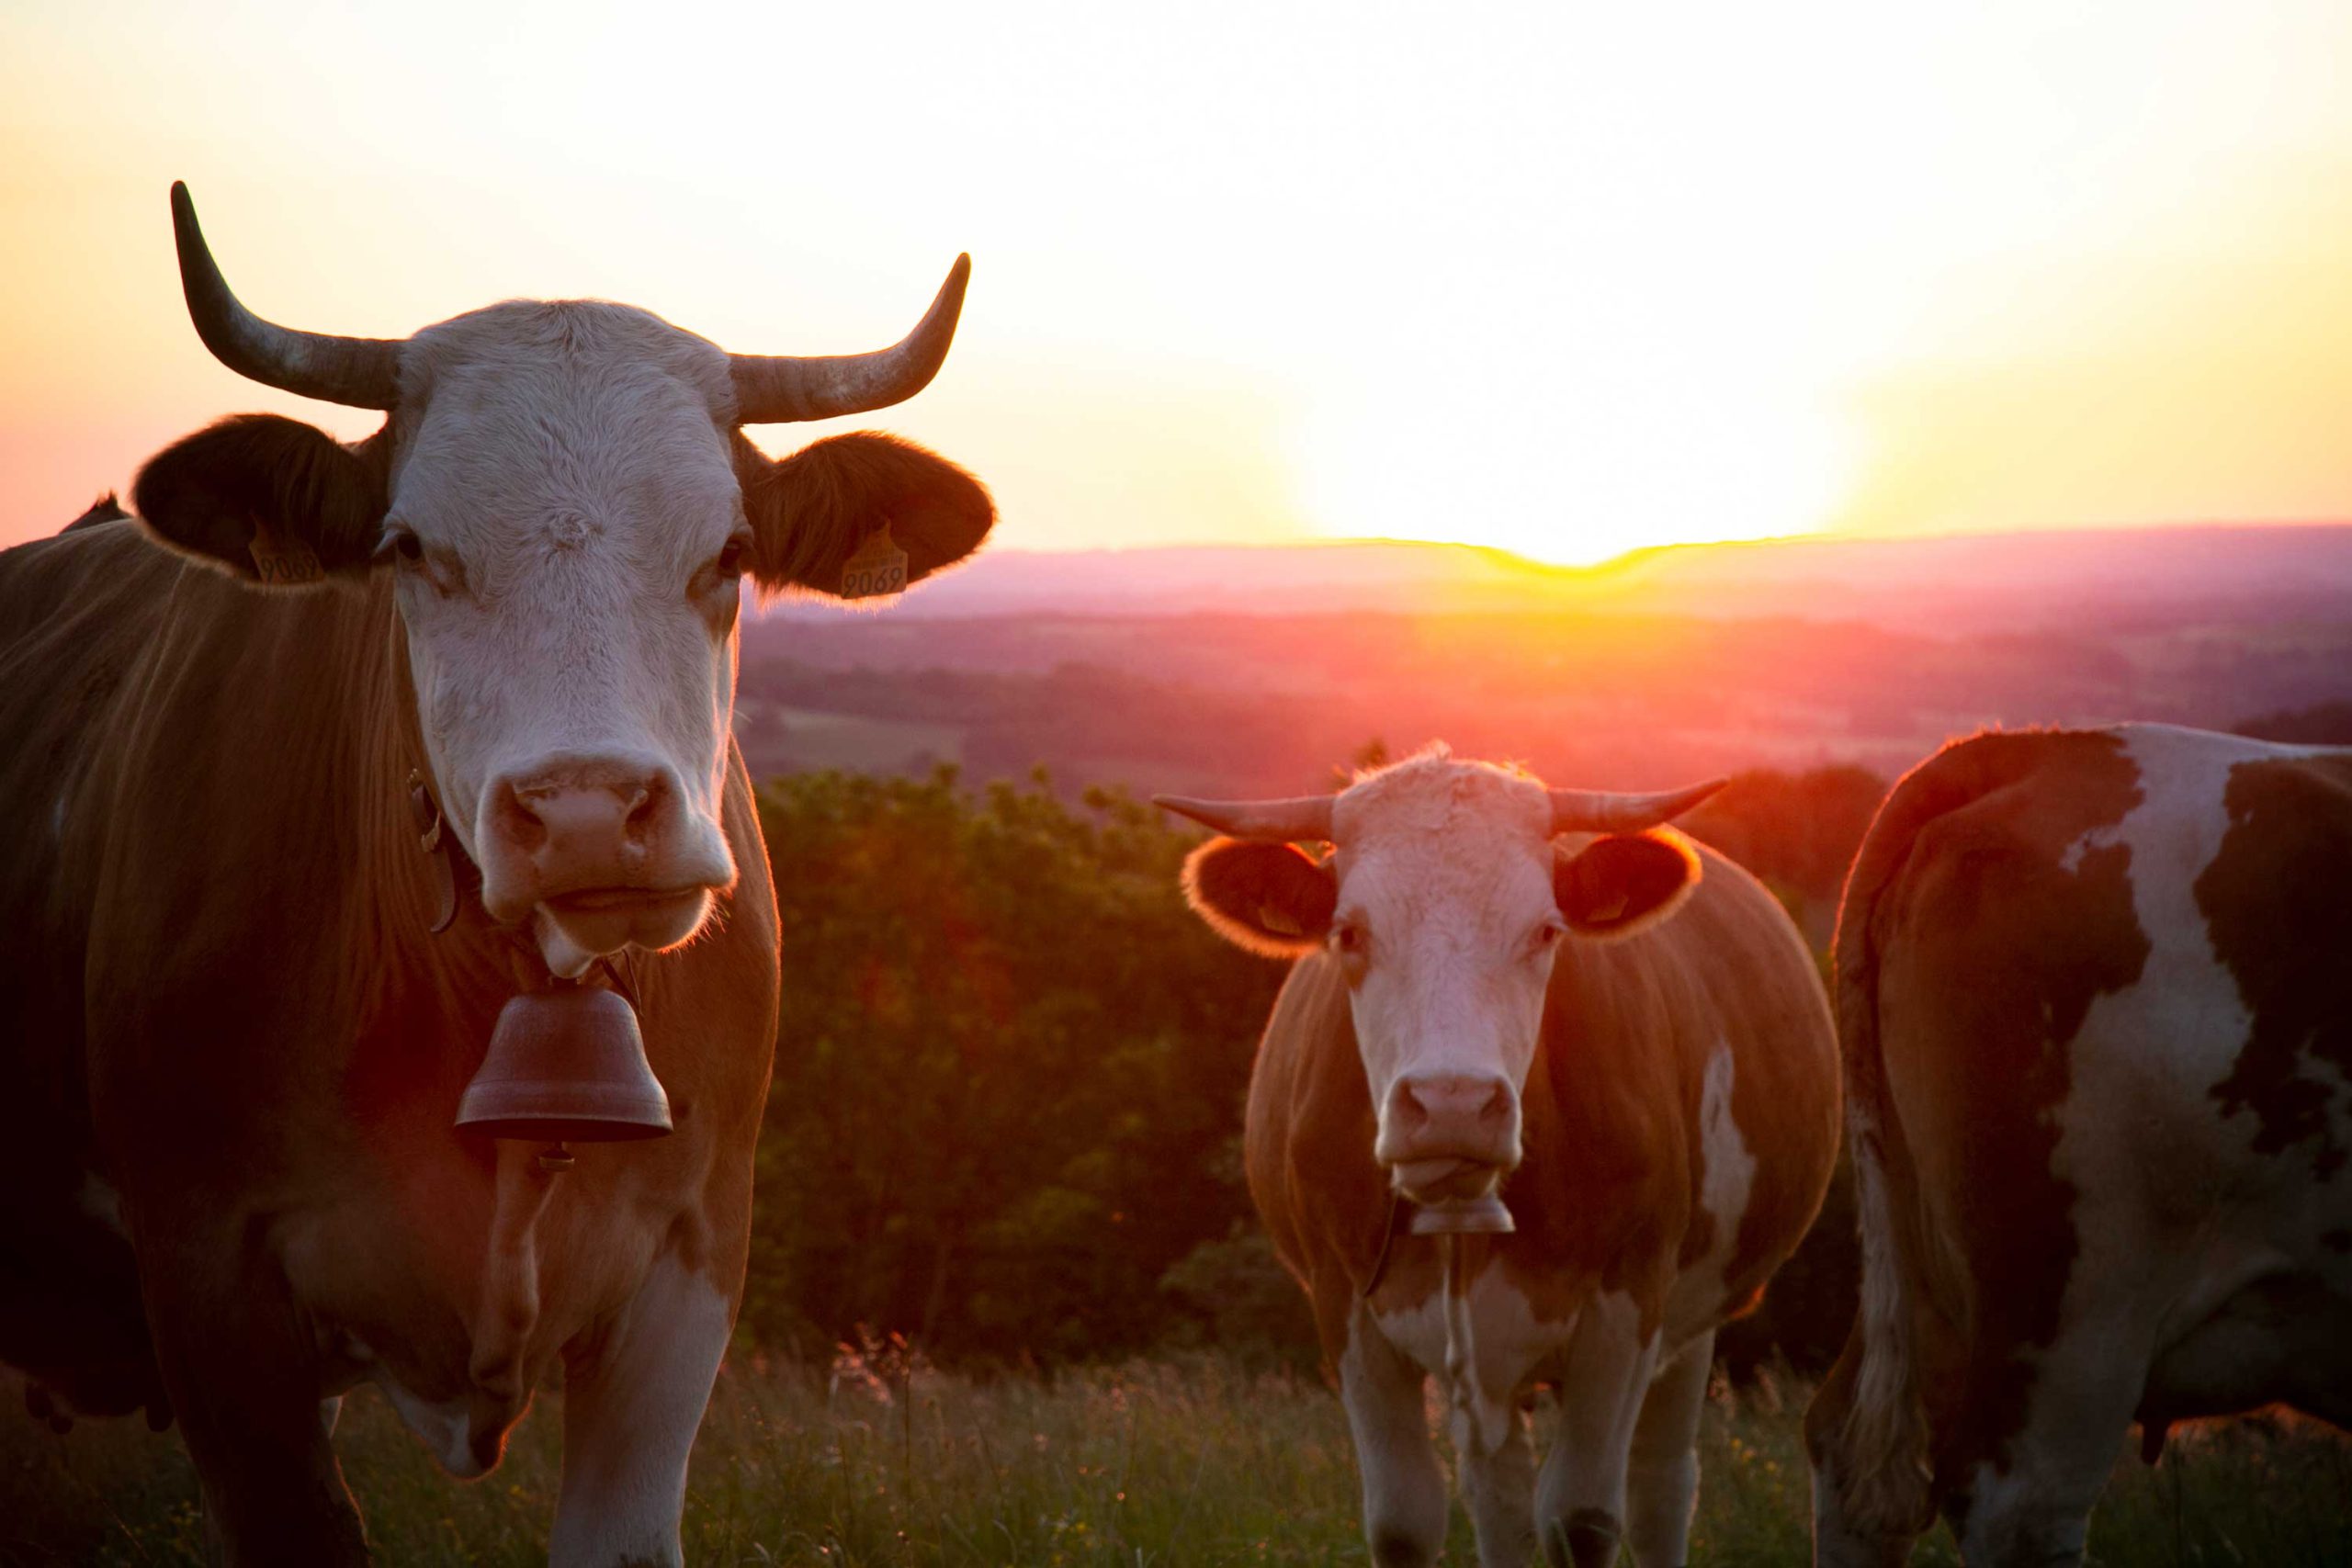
(1566, 282)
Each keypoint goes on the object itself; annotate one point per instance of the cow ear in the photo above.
(860, 516)
(1268, 898)
(269, 501)
(1622, 882)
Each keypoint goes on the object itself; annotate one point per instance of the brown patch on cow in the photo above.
(2338, 1240)
(1983, 955)
(2277, 911)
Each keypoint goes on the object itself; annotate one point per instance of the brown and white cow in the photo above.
(1504, 988)
(232, 1040)
(2098, 1022)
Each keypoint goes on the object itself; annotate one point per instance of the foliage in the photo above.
(1009, 1068)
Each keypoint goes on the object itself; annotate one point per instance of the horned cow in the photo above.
(1548, 1095)
(2093, 1001)
(311, 765)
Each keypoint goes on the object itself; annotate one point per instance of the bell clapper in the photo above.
(555, 1158)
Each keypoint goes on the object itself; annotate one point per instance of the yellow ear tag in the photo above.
(283, 562)
(878, 567)
(1274, 921)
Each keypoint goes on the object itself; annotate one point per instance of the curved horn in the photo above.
(359, 372)
(1598, 811)
(773, 389)
(1303, 819)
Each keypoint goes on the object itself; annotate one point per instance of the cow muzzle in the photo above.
(601, 854)
(1449, 1137)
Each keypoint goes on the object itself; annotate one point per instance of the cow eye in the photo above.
(730, 561)
(1548, 935)
(1348, 939)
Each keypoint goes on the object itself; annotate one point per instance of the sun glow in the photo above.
(1566, 281)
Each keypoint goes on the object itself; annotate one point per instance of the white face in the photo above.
(568, 533)
(1446, 926)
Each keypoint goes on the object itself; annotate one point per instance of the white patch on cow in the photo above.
(444, 1427)
(100, 1202)
(2155, 1256)
(1403, 1490)
(1605, 1368)
(1604, 1381)
(629, 1423)
(1726, 1179)
(1505, 1340)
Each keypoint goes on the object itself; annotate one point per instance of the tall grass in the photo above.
(878, 1461)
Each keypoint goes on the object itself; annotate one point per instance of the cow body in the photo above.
(248, 1048)
(2092, 996)
(240, 1005)
(1676, 1125)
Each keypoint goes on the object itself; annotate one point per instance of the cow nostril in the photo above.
(517, 819)
(639, 807)
(1498, 1106)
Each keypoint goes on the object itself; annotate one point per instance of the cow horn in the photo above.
(358, 372)
(1598, 811)
(779, 388)
(1303, 819)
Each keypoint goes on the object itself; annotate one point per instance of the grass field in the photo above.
(1194, 1461)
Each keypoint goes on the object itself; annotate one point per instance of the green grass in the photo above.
(1191, 1462)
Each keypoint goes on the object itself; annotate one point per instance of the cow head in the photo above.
(1444, 903)
(566, 509)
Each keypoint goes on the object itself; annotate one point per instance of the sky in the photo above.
(1567, 279)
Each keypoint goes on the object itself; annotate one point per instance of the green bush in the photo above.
(1008, 1068)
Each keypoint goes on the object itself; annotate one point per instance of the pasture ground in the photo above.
(875, 1462)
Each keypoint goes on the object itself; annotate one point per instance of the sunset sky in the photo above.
(1564, 279)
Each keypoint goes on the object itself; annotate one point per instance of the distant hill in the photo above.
(1246, 670)
(2012, 581)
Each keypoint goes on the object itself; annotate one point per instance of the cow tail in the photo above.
(1884, 1470)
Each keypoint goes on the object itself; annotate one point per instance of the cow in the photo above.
(2091, 993)
(315, 703)
(1547, 998)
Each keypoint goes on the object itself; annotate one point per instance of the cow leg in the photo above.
(1662, 1472)
(1404, 1491)
(1499, 1481)
(240, 1371)
(1580, 1497)
(632, 1403)
(2037, 1514)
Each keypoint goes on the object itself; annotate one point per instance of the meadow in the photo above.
(879, 1460)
